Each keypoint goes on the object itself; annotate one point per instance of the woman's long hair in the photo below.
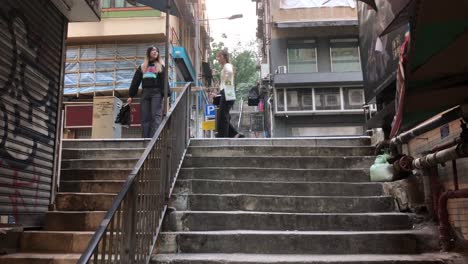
(158, 62)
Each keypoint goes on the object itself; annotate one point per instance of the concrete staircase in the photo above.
(91, 176)
(287, 201)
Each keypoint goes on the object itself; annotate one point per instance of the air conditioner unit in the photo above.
(332, 100)
(282, 69)
(356, 97)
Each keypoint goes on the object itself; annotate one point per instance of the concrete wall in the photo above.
(336, 124)
(128, 28)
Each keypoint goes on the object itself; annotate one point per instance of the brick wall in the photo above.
(458, 208)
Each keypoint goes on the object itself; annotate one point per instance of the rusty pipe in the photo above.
(444, 225)
(440, 157)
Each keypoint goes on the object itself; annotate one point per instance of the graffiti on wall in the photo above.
(28, 112)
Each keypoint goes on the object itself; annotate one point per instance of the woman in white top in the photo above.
(228, 96)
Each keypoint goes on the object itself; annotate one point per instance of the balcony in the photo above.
(79, 10)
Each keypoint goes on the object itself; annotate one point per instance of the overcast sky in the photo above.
(242, 29)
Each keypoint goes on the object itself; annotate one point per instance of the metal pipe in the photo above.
(436, 188)
(167, 54)
(240, 113)
(405, 137)
(455, 174)
(444, 225)
(197, 68)
(440, 157)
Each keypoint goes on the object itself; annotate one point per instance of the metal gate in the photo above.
(31, 46)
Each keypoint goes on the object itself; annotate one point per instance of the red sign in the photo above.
(81, 115)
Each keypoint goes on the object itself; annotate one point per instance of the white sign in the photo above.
(290, 4)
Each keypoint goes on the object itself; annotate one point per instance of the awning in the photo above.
(183, 63)
(160, 5)
(437, 74)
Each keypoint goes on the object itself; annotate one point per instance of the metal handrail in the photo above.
(130, 228)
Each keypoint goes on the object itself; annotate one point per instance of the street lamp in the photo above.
(197, 56)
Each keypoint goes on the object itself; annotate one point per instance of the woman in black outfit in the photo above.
(151, 76)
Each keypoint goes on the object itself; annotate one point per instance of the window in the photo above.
(322, 99)
(327, 99)
(302, 56)
(353, 98)
(344, 55)
(299, 99)
(280, 100)
(117, 4)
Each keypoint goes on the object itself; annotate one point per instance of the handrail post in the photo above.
(129, 225)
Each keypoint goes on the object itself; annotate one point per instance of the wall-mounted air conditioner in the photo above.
(282, 69)
(356, 97)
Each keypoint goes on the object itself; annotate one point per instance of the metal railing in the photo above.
(129, 230)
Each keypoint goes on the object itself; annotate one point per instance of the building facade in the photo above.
(103, 56)
(310, 56)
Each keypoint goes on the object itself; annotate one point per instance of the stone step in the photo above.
(55, 241)
(297, 242)
(276, 174)
(39, 258)
(94, 174)
(303, 259)
(73, 220)
(93, 153)
(310, 141)
(292, 204)
(223, 151)
(105, 143)
(99, 163)
(94, 186)
(84, 201)
(281, 162)
(235, 220)
(278, 188)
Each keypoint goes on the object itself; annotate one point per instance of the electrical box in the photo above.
(105, 110)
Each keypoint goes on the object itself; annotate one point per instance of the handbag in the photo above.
(230, 92)
(217, 100)
(253, 98)
(124, 117)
